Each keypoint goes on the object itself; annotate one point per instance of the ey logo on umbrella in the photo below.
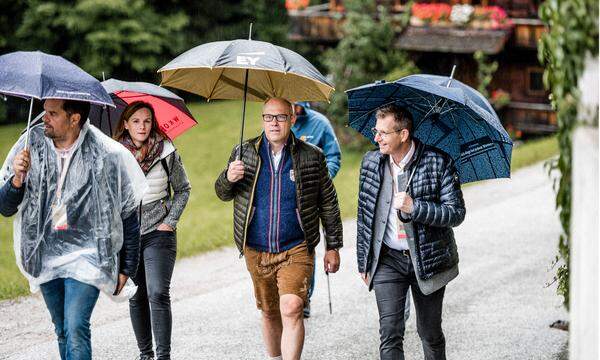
(250, 58)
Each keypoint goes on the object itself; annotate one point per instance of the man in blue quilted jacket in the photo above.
(409, 199)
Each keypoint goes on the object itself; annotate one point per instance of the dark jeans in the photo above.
(394, 276)
(70, 303)
(150, 307)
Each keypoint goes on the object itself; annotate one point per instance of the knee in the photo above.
(391, 332)
(291, 306)
(271, 316)
(77, 328)
(432, 338)
(159, 296)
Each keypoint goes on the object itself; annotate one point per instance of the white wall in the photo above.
(584, 338)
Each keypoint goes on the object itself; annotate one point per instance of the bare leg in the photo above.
(292, 339)
(271, 327)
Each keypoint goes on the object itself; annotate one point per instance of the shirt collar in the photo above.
(406, 159)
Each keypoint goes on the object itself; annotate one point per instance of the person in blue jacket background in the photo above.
(313, 127)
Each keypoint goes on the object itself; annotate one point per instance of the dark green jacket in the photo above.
(316, 196)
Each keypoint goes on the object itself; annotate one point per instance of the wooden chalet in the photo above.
(435, 47)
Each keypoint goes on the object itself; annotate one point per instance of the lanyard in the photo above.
(63, 175)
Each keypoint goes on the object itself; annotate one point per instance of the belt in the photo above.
(401, 252)
(404, 252)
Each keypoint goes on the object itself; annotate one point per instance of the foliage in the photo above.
(573, 33)
(485, 72)
(366, 53)
(131, 39)
(499, 99)
(114, 36)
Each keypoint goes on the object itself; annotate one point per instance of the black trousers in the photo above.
(394, 276)
(150, 307)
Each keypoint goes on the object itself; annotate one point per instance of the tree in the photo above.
(118, 37)
(366, 53)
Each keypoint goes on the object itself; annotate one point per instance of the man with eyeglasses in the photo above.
(281, 189)
(409, 199)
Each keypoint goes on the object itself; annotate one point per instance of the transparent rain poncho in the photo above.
(103, 185)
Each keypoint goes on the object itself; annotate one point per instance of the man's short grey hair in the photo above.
(288, 103)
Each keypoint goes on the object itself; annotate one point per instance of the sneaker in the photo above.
(146, 357)
(307, 310)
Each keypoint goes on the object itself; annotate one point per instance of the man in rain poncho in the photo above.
(75, 192)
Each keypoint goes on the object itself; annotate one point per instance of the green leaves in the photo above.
(572, 33)
(113, 36)
(365, 53)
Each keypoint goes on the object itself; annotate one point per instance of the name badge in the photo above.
(59, 217)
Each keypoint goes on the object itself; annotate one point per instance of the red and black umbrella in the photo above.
(171, 113)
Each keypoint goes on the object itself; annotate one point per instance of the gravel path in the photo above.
(498, 307)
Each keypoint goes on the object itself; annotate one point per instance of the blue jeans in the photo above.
(70, 303)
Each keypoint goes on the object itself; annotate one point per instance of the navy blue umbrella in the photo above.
(36, 75)
(447, 114)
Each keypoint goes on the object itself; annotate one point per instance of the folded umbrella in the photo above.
(171, 113)
(447, 115)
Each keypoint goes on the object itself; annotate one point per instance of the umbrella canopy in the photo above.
(34, 74)
(247, 70)
(448, 115)
(217, 70)
(172, 115)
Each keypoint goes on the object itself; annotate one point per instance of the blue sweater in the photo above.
(315, 129)
(274, 224)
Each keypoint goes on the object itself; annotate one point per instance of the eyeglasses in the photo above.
(278, 117)
(383, 133)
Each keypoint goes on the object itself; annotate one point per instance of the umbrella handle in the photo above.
(412, 173)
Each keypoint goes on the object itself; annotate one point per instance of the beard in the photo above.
(49, 132)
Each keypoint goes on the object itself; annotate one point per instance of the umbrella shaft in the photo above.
(243, 115)
(29, 123)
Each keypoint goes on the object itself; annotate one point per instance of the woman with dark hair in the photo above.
(150, 308)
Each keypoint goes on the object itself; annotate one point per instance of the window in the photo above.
(535, 83)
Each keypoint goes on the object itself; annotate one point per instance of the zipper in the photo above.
(297, 180)
(250, 201)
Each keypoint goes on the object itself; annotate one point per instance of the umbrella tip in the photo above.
(451, 75)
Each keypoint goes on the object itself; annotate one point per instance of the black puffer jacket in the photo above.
(316, 196)
(438, 206)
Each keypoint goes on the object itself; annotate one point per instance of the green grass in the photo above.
(207, 222)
